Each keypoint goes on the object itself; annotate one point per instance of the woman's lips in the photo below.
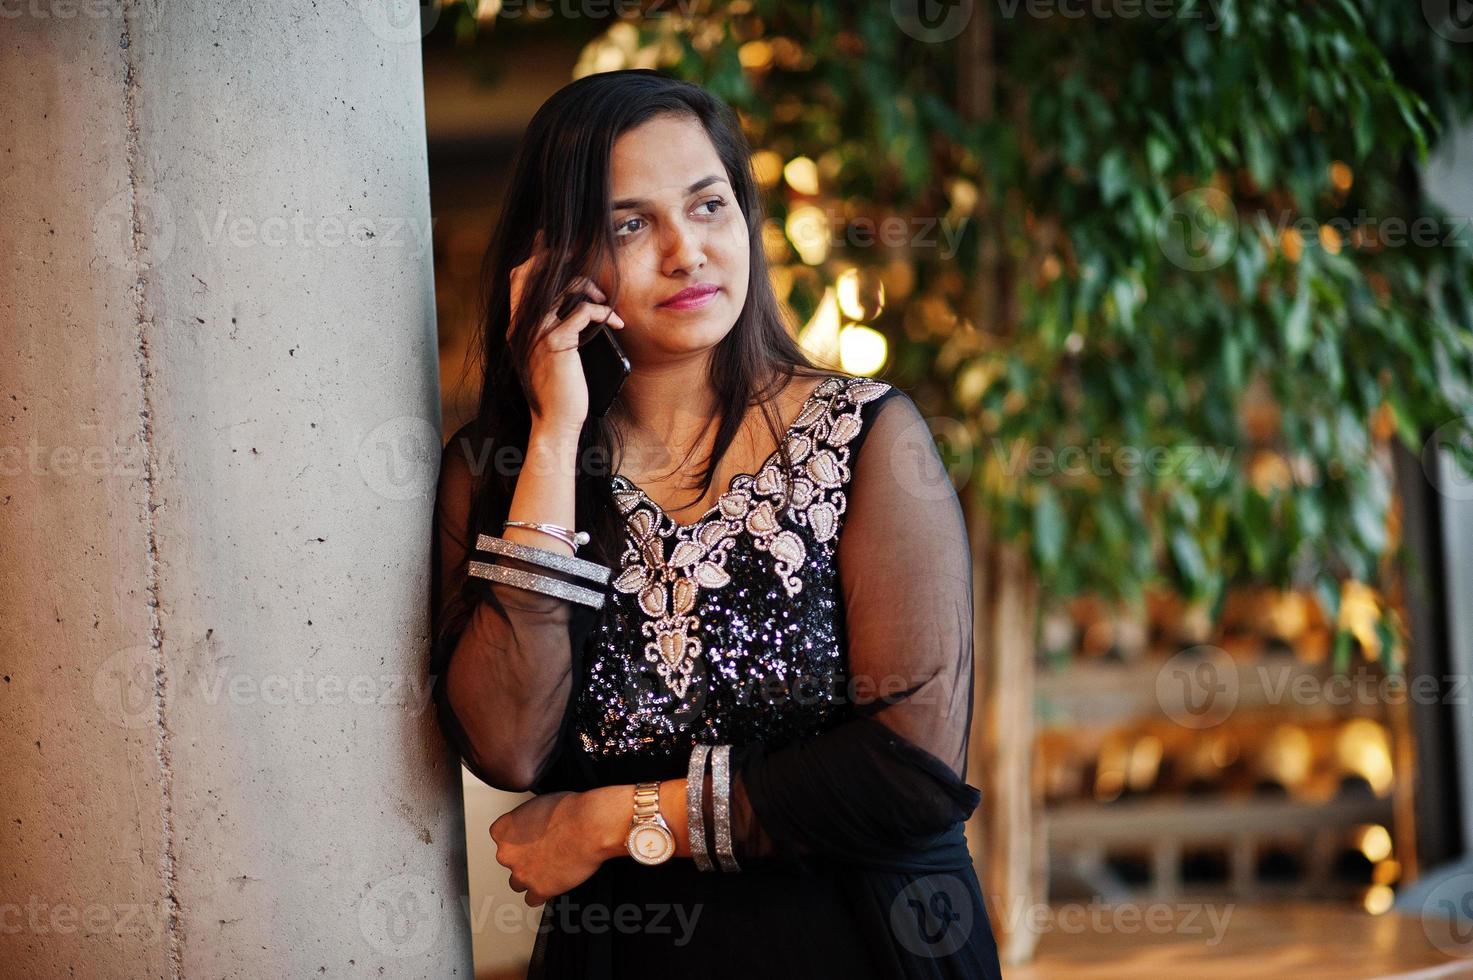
(692, 299)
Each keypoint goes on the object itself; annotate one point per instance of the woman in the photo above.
(801, 620)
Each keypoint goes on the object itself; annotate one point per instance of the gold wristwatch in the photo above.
(650, 839)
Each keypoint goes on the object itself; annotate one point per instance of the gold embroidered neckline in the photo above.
(807, 415)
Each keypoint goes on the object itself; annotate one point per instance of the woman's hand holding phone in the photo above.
(554, 369)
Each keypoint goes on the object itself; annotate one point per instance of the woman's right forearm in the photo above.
(510, 678)
(545, 486)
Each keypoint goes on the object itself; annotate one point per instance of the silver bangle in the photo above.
(721, 803)
(536, 583)
(573, 539)
(695, 812)
(541, 556)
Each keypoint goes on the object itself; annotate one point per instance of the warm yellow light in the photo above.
(861, 294)
(1287, 756)
(862, 350)
(1292, 244)
(1108, 785)
(1110, 769)
(1289, 613)
(755, 55)
(963, 194)
(1386, 872)
(781, 277)
(1378, 899)
(1375, 842)
(774, 242)
(1363, 748)
(801, 173)
(808, 229)
(1359, 613)
(1341, 175)
(1145, 763)
(1225, 751)
(899, 278)
(768, 168)
(819, 337)
(973, 380)
(1269, 472)
(1330, 239)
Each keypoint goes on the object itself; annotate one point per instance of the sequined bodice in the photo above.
(730, 629)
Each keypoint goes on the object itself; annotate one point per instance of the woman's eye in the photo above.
(631, 225)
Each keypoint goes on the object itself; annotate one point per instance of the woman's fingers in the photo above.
(583, 284)
(587, 285)
(562, 335)
(532, 897)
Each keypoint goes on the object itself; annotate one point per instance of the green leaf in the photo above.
(1296, 324)
(1048, 527)
(1340, 658)
(1370, 523)
(1187, 554)
(1388, 639)
(1158, 155)
(1123, 292)
(1114, 175)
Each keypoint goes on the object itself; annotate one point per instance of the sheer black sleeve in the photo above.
(503, 659)
(893, 776)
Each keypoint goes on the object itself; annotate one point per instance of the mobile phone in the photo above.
(604, 365)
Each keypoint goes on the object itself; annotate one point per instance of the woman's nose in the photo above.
(685, 250)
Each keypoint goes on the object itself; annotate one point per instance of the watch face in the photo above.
(650, 843)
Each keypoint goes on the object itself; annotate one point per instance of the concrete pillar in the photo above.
(218, 422)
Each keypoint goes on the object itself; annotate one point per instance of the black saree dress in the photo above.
(822, 627)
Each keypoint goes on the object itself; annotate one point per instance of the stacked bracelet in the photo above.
(536, 583)
(573, 539)
(540, 583)
(695, 811)
(541, 556)
(721, 805)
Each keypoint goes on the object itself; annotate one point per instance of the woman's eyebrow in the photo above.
(629, 203)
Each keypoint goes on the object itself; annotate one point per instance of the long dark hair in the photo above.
(561, 184)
